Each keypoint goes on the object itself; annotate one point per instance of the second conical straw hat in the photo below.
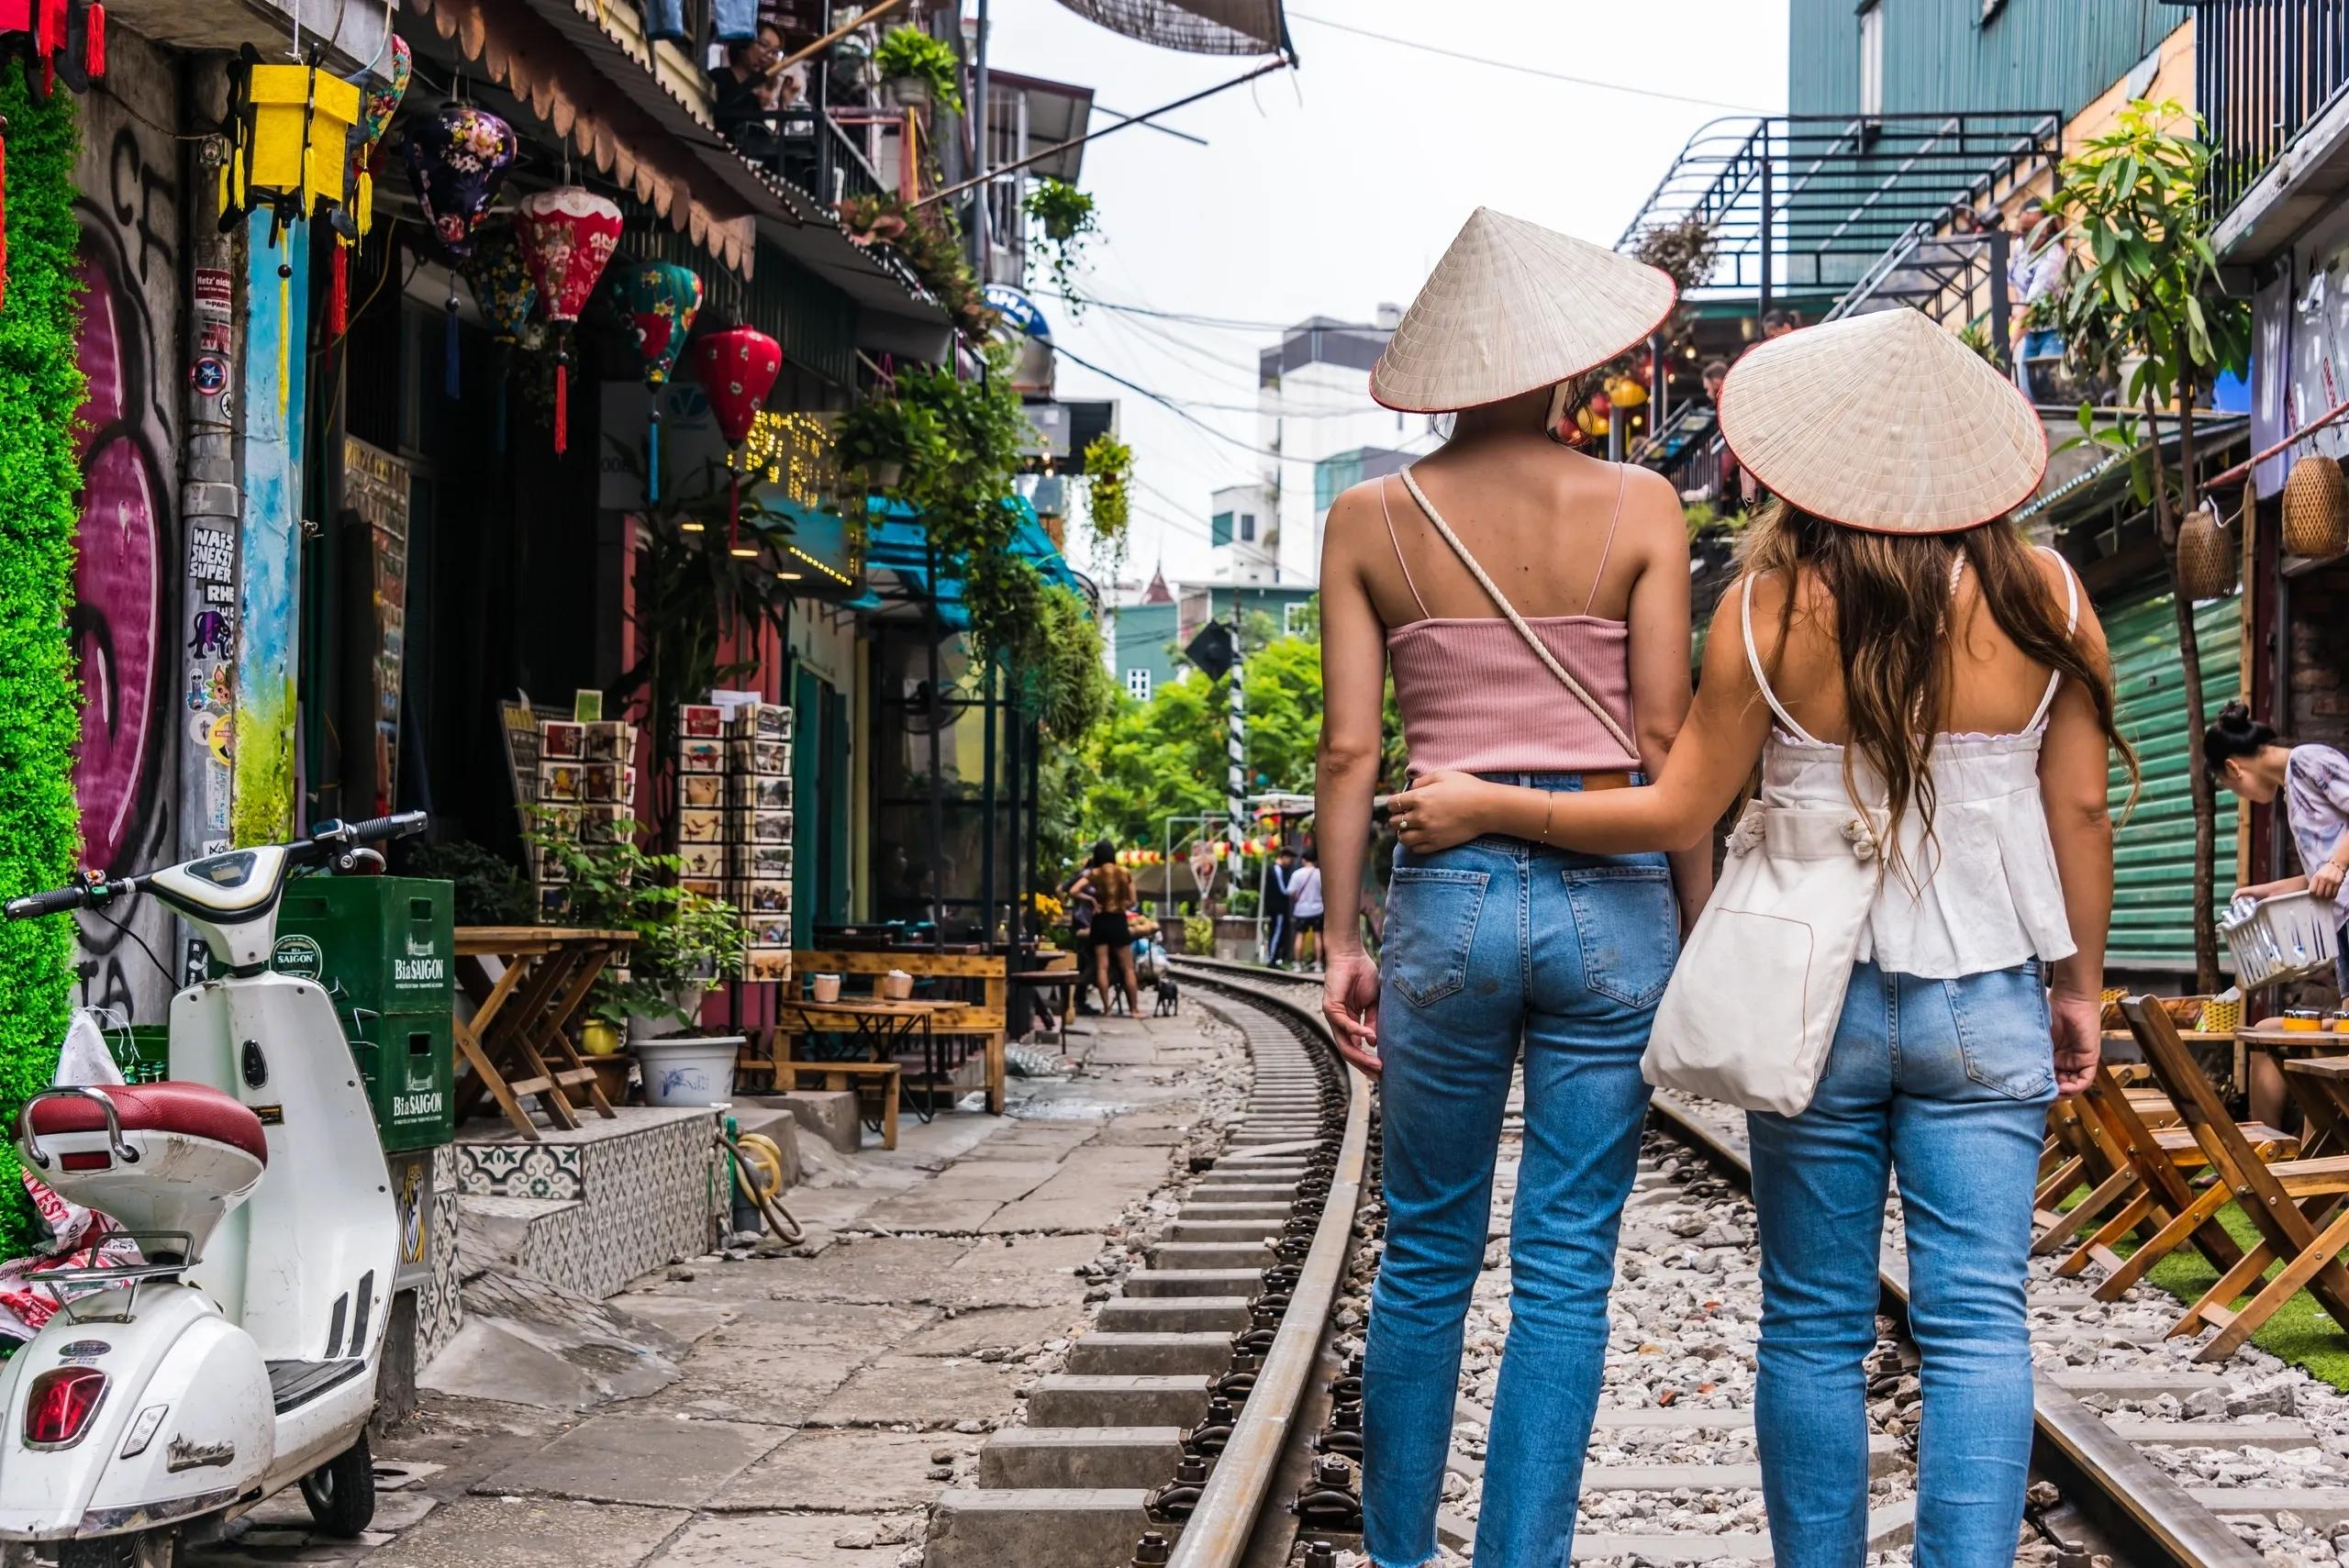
(1513, 307)
(1885, 422)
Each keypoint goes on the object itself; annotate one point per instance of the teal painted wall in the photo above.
(1940, 54)
(1144, 634)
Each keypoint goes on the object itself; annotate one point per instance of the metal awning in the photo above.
(898, 543)
(1028, 113)
(1194, 27)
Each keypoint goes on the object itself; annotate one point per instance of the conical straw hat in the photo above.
(1884, 422)
(1513, 307)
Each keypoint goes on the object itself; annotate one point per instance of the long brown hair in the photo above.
(1892, 634)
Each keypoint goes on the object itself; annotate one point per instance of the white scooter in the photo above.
(166, 1398)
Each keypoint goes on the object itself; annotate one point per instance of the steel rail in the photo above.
(1226, 1516)
(2119, 1486)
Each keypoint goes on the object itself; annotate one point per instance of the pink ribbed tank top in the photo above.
(1475, 697)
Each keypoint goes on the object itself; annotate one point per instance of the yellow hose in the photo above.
(761, 1150)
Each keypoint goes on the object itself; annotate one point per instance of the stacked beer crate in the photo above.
(586, 791)
(734, 823)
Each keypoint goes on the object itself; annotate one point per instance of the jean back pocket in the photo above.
(2002, 1030)
(1629, 924)
(1430, 925)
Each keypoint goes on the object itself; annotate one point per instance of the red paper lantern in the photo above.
(736, 368)
(567, 235)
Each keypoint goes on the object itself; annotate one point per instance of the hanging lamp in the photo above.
(377, 103)
(660, 300)
(737, 369)
(456, 161)
(567, 235)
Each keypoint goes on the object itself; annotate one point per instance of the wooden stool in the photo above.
(837, 1076)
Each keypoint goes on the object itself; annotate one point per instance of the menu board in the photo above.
(375, 493)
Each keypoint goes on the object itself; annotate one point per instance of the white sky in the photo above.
(1326, 190)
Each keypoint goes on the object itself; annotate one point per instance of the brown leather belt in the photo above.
(1605, 781)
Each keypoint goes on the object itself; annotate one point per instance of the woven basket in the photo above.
(2208, 567)
(2316, 508)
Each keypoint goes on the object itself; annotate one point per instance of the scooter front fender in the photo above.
(211, 1443)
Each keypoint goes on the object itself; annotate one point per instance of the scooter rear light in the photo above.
(61, 1405)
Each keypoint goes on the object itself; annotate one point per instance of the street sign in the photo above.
(1213, 650)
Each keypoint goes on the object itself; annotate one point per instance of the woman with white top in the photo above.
(1941, 690)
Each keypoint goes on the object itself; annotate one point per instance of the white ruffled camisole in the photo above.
(1980, 893)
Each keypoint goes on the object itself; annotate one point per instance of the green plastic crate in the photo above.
(383, 944)
(406, 1061)
(146, 1056)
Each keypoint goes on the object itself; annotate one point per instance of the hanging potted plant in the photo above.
(1065, 216)
(873, 439)
(918, 71)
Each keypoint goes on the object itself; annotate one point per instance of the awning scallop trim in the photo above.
(535, 62)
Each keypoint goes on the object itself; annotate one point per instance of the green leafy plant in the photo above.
(1198, 935)
(1108, 498)
(2141, 282)
(40, 719)
(686, 942)
(929, 242)
(1064, 220)
(1975, 334)
(490, 890)
(910, 52)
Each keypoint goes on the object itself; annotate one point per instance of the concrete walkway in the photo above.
(819, 1400)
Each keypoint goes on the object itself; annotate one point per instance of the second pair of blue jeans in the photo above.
(1489, 946)
(1946, 1083)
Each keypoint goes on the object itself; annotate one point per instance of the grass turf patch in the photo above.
(2301, 1332)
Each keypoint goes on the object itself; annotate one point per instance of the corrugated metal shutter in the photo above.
(2153, 852)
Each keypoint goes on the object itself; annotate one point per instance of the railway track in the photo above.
(2142, 1459)
(1181, 1431)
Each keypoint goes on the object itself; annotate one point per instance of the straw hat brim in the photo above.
(1884, 423)
(1511, 308)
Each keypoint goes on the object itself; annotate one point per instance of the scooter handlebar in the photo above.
(377, 829)
(54, 902)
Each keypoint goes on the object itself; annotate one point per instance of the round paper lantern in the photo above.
(568, 235)
(456, 161)
(660, 300)
(508, 299)
(376, 106)
(737, 370)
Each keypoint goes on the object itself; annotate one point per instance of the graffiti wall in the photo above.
(126, 614)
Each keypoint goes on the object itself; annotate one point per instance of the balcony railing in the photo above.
(1959, 280)
(1807, 203)
(2263, 70)
(1686, 449)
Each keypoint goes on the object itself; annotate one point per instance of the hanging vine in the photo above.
(1108, 498)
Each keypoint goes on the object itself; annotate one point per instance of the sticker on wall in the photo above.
(209, 375)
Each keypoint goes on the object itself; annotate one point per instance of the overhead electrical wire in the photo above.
(1418, 48)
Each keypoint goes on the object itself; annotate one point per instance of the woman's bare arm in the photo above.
(1346, 773)
(2075, 791)
(1660, 686)
(1710, 761)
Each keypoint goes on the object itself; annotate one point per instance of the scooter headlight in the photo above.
(62, 1400)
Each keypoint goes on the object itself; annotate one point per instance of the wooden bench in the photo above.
(844, 1075)
(982, 1018)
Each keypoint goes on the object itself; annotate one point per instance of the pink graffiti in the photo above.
(117, 576)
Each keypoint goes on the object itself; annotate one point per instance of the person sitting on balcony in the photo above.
(748, 93)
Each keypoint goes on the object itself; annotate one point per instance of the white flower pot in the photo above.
(688, 1072)
(908, 92)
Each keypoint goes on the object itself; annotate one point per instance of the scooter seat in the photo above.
(191, 1110)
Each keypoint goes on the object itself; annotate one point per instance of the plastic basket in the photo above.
(2290, 937)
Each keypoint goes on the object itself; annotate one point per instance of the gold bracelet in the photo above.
(1549, 810)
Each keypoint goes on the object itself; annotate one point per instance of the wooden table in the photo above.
(877, 1027)
(2197, 1041)
(2288, 1049)
(517, 1043)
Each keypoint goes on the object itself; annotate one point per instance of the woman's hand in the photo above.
(2325, 882)
(2077, 1025)
(1350, 1003)
(1443, 808)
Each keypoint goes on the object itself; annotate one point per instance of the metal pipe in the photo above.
(828, 40)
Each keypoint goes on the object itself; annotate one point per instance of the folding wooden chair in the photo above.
(2295, 1206)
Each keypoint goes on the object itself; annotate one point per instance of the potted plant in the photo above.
(687, 944)
(872, 438)
(918, 70)
(1064, 213)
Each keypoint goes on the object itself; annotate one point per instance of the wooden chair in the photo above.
(2295, 1206)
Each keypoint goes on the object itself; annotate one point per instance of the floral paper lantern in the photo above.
(660, 300)
(567, 234)
(502, 288)
(456, 161)
(737, 369)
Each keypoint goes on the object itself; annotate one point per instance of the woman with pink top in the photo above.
(1531, 604)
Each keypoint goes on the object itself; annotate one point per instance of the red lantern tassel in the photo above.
(562, 404)
(338, 292)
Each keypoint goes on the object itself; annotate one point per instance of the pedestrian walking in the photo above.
(1961, 681)
(1305, 909)
(1278, 931)
(1110, 888)
(1502, 945)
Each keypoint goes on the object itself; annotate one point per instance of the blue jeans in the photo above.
(1948, 1082)
(1489, 944)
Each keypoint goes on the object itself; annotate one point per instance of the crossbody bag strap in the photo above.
(1540, 648)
